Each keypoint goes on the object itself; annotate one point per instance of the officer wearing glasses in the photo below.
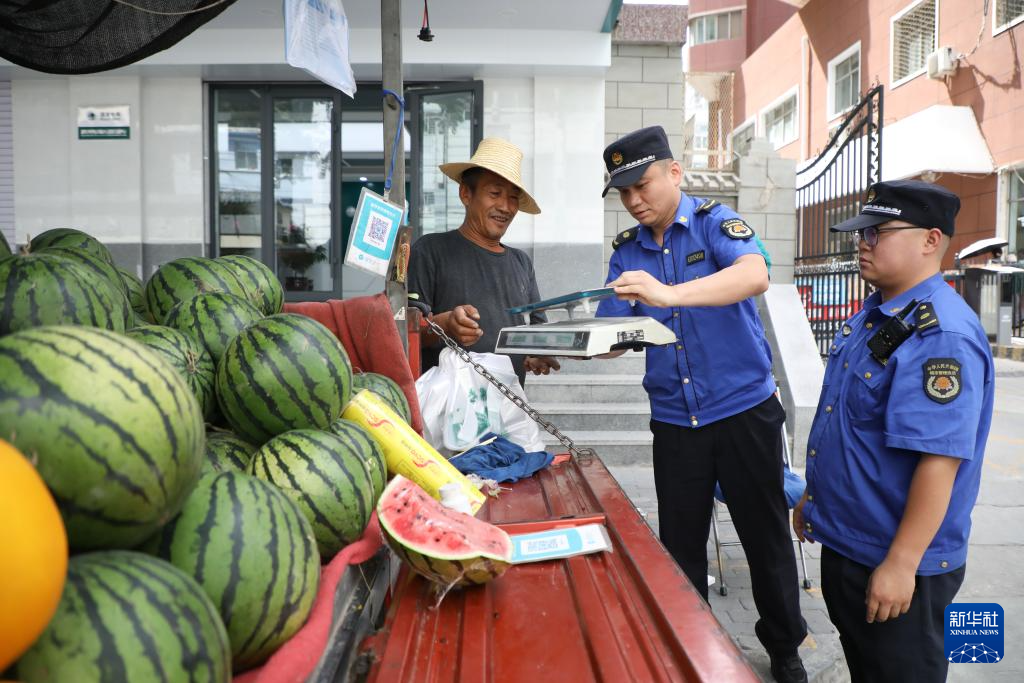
(895, 451)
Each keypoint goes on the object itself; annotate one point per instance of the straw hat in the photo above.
(500, 157)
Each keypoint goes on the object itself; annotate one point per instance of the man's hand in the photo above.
(798, 520)
(890, 590)
(541, 365)
(639, 285)
(461, 324)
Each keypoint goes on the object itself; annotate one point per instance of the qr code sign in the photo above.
(377, 228)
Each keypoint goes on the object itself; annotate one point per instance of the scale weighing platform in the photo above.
(583, 337)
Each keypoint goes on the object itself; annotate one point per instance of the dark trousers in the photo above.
(908, 648)
(744, 454)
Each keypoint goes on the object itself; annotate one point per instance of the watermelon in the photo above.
(71, 239)
(49, 289)
(386, 388)
(99, 270)
(283, 372)
(360, 441)
(112, 428)
(260, 284)
(5, 248)
(126, 616)
(446, 547)
(213, 319)
(181, 279)
(325, 477)
(226, 452)
(186, 355)
(254, 554)
(136, 295)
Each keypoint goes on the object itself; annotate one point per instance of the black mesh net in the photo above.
(85, 36)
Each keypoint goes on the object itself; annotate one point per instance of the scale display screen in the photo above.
(543, 340)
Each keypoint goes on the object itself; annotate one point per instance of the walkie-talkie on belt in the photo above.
(892, 334)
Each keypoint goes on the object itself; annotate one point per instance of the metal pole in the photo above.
(391, 68)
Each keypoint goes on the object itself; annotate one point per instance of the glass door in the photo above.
(446, 128)
(303, 179)
(238, 141)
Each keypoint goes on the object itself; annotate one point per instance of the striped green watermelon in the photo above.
(444, 546)
(71, 239)
(183, 278)
(186, 355)
(386, 388)
(213, 319)
(5, 248)
(226, 452)
(127, 617)
(259, 281)
(47, 289)
(326, 477)
(253, 552)
(98, 269)
(136, 295)
(360, 441)
(284, 372)
(112, 428)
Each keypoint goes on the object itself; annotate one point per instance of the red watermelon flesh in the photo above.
(445, 546)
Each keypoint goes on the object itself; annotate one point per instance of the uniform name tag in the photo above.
(695, 257)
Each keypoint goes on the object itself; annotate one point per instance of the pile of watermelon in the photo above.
(189, 432)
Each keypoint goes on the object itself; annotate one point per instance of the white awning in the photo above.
(940, 139)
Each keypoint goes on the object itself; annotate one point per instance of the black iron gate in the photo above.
(829, 190)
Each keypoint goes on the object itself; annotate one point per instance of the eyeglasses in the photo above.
(870, 235)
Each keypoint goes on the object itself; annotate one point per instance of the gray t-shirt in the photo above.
(447, 270)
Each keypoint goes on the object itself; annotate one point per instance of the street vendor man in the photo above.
(895, 451)
(469, 277)
(693, 265)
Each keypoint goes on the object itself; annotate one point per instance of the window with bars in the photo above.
(779, 122)
(844, 81)
(914, 37)
(1008, 12)
(713, 27)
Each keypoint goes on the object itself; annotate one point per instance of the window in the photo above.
(1016, 213)
(779, 120)
(742, 137)
(914, 34)
(709, 28)
(844, 81)
(1008, 13)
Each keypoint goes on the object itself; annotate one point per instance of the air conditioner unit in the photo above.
(942, 63)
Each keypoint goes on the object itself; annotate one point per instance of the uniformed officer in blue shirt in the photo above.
(693, 265)
(895, 451)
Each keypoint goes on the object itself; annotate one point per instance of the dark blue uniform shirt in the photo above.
(721, 364)
(933, 396)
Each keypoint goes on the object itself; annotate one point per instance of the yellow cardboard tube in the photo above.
(406, 451)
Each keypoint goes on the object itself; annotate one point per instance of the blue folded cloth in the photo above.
(497, 458)
(792, 483)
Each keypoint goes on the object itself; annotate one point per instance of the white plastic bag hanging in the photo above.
(459, 405)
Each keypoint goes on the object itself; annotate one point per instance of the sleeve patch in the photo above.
(942, 381)
(737, 229)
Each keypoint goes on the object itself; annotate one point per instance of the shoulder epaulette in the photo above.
(707, 205)
(627, 235)
(925, 317)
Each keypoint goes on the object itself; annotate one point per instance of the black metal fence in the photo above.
(829, 190)
(988, 293)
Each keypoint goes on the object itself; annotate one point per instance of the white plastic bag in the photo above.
(459, 406)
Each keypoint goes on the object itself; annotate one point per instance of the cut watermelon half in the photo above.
(447, 547)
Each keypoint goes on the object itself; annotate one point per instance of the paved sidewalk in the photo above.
(995, 564)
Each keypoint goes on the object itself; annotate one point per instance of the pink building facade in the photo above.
(962, 125)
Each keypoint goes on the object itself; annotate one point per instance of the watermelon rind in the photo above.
(326, 478)
(5, 248)
(386, 388)
(361, 441)
(259, 282)
(136, 295)
(72, 239)
(183, 278)
(111, 427)
(127, 616)
(213, 319)
(447, 547)
(226, 452)
(253, 552)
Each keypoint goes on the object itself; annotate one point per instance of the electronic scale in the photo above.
(580, 337)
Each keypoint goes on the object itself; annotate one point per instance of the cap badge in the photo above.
(871, 195)
(616, 158)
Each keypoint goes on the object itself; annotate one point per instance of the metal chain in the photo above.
(551, 429)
